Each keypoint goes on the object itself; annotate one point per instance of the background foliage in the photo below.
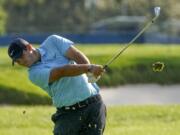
(38, 16)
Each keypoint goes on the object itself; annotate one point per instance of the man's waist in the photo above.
(81, 104)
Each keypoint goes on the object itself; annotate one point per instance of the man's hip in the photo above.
(86, 117)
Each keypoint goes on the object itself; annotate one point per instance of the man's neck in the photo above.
(37, 55)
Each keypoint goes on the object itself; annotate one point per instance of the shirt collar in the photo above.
(41, 51)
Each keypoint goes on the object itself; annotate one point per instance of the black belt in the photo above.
(81, 104)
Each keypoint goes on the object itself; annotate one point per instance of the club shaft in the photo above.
(130, 43)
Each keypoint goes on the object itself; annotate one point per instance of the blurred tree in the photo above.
(39, 16)
(3, 18)
(46, 16)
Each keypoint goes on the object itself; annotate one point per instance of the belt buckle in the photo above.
(67, 108)
(80, 106)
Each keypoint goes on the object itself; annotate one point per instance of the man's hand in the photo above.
(75, 70)
(96, 70)
(94, 73)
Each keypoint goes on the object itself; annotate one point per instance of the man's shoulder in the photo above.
(56, 40)
(53, 37)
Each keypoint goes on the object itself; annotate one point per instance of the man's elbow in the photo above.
(55, 75)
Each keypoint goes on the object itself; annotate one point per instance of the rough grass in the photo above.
(133, 66)
(122, 120)
(15, 88)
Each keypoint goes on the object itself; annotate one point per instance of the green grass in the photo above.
(15, 87)
(133, 66)
(124, 120)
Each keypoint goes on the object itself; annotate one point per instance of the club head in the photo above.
(157, 11)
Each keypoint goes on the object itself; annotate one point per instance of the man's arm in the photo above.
(76, 55)
(68, 70)
(83, 66)
(74, 70)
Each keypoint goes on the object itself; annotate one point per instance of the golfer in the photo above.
(60, 69)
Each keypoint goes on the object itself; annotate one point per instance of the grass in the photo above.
(133, 66)
(15, 87)
(122, 120)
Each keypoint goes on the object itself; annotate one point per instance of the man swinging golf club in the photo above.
(60, 69)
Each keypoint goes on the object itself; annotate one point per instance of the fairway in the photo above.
(124, 120)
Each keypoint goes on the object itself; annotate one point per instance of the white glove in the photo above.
(92, 78)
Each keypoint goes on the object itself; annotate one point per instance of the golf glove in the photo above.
(92, 78)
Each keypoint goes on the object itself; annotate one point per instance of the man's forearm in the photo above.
(68, 70)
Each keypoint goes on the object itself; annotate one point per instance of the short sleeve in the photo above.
(40, 77)
(62, 43)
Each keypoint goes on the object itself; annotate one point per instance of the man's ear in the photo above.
(29, 47)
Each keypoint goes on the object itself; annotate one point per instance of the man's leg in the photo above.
(68, 123)
(95, 119)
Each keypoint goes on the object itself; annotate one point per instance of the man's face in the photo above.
(26, 59)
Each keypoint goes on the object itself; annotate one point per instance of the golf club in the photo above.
(157, 13)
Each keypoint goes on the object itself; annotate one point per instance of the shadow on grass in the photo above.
(12, 96)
